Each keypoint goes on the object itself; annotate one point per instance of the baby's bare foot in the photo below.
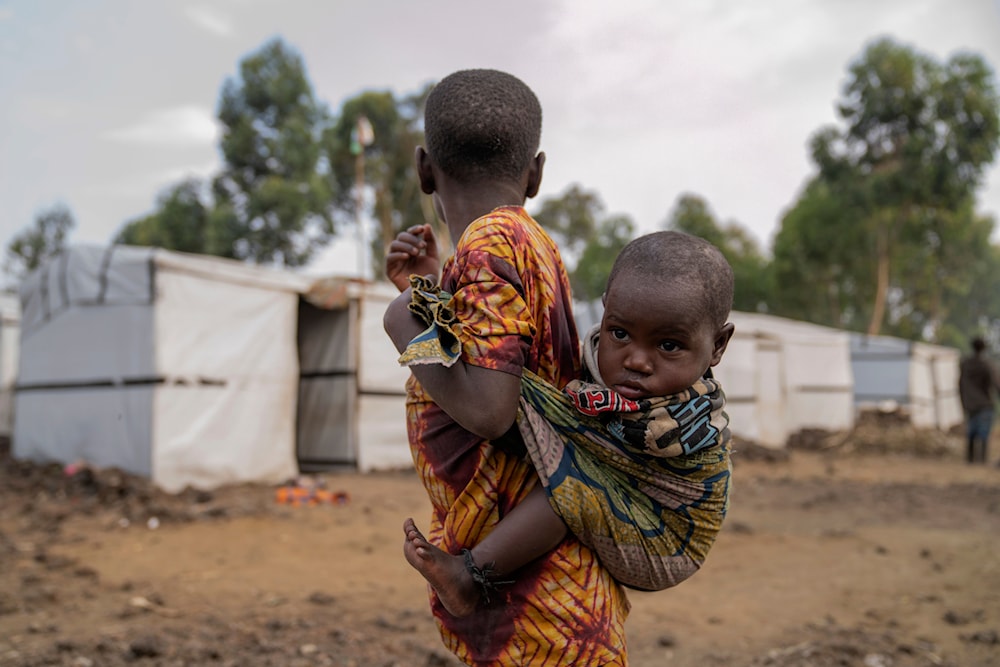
(445, 573)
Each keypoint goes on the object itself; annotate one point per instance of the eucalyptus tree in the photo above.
(915, 139)
(571, 219)
(370, 148)
(274, 193)
(184, 221)
(588, 238)
(691, 214)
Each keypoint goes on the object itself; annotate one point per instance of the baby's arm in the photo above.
(481, 400)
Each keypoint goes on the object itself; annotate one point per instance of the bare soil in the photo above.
(877, 548)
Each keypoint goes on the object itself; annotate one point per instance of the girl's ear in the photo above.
(534, 176)
(722, 339)
(424, 171)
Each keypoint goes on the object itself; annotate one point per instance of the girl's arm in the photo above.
(481, 400)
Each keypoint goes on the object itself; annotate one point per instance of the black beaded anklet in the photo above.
(481, 576)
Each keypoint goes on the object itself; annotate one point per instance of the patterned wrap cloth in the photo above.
(644, 483)
(511, 296)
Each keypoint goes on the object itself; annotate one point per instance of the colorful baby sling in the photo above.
(645, 484)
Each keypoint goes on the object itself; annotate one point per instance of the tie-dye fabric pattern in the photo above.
(512, 298)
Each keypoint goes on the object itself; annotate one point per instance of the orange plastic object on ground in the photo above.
(298, 496)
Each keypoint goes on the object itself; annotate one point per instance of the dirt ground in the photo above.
(878, 548)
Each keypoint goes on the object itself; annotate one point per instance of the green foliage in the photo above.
(884, 238)
(384, 166)
(572, 219)
(182, 222)
(273, 194)
(588, 240)
(950, 283)
(45, 239)
(897, 183)
(692, 215)
(590, 276)
(822, 265)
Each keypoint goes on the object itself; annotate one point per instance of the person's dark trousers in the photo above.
(979, 425)
(974, 454)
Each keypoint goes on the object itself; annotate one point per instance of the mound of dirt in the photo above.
(881, 432)
(51, 492)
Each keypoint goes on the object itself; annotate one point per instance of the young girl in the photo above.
(511, 291)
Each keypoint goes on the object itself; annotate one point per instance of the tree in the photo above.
(976, 309)
(692, 215)
(183, 222)
(45, 239)
(381, 165)
(917, 136)
(572, 220)
(589, 240)
(590, 276)
(822, 261)
(273, 196)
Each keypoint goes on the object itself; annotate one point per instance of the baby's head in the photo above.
(482, 124)
(665, 315)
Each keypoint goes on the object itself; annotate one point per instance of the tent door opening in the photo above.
(328, 378)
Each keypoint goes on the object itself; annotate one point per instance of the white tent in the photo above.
(186, 369)
(781, 376)
(10, 325)
(920, 378)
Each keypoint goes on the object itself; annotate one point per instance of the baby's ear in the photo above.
(722, 338)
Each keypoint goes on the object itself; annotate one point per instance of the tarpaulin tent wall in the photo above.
(920, 378)
(351, 395)
(10, 325)
(782, 376)
(179, 367)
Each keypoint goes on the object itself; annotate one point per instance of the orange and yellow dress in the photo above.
(511, 294)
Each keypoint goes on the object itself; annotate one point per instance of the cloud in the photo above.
(211, 20)
(202, 171)
(84, 44)
(149, 182)
(6, 13)
(183, 126)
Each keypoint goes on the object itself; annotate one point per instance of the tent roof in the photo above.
(98, 260)
(880, 345)
(119, 274)
(768, 326)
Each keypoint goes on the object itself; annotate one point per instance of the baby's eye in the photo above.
(669, 346)
(618, 334)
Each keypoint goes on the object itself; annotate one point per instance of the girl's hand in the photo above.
(414, 250)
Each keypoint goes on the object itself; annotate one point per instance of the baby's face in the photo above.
(654, 341)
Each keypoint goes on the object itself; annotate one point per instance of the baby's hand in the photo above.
(414, 250)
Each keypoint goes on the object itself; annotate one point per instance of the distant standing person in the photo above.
(977, 388)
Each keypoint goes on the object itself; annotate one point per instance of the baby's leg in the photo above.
(445, 573)
(529, 531)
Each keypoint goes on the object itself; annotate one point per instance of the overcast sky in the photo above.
(104, 103)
